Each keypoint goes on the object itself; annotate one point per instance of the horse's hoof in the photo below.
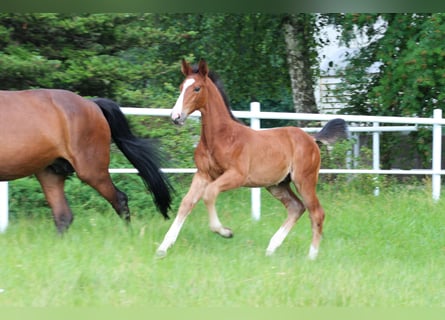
(313, 253)
(226, 233)
(269, 253)
(160, 254)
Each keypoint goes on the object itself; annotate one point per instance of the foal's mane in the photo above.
(219, 85)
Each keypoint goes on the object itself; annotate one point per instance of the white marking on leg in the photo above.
(177, 109)
(214, 223)
(170, 237)
(216, 226)
(313, 252)
(276, 240)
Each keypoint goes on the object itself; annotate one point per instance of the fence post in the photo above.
(356, 149)
(437, 154)
(4, 206)
(255, 193)
(376, 156)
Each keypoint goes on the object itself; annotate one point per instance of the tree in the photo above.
(299, 32)
(135, 58)
(410, 79)
(93, 54)
(263, 57)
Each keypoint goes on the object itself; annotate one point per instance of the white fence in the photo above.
(255, 116)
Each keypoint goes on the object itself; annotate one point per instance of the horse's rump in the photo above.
(39, 126)
(52, 133)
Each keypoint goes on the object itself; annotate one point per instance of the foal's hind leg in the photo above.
(307, 190)
(53, 188)
(295, 209)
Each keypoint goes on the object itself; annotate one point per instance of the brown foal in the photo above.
(231, 155)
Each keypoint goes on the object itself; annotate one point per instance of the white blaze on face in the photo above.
(177, 109)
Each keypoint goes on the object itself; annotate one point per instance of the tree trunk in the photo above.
(299, 36)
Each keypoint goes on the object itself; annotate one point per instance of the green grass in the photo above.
(377, 251)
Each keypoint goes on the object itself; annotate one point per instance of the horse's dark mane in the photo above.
(219, 85)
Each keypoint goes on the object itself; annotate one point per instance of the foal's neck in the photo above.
(216, 119)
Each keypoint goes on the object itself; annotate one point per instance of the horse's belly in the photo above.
(7, 176)
(20, 159)
(263, 176)
(11, 170)
(269, 166)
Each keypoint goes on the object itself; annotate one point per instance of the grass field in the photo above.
(381, 251)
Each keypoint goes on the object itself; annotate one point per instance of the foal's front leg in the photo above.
(229, 180)
(194, 194)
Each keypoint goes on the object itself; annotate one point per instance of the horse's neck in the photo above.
(216, 121)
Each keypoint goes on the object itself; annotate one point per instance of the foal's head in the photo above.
(194, 91)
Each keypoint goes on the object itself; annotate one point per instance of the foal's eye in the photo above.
(197, 89)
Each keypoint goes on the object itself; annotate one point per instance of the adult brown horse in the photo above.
(231, 155)
(53, 133)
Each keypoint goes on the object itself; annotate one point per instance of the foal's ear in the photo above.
(185, 68)
(202, 68)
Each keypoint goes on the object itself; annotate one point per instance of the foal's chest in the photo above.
(210, 161)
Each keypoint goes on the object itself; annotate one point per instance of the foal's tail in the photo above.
(140, 153)
(334, 130)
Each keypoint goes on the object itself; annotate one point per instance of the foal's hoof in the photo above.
(160, 254)
(223, 232)
(313, 253)
(226, 232)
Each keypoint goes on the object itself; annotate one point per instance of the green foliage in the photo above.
(93, 54)
(134, 58)
(340, 156)
(410, 80)
(246, 50)
(177, 142)
(25, 195)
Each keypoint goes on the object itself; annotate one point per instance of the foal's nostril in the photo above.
(177, 120)
(175, 117)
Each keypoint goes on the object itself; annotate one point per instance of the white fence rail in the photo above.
(255, 116)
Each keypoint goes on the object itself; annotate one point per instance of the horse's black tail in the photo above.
(334, 130)
(142, 155)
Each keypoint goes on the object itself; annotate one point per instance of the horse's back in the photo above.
(44, 113)
(39, 126)
(265, 156)
(38, 104)
(288, 140)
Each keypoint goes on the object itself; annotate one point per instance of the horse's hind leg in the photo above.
(91, 167)
(53, 188)
(101, 181)
(307, 190)
(295, 209)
